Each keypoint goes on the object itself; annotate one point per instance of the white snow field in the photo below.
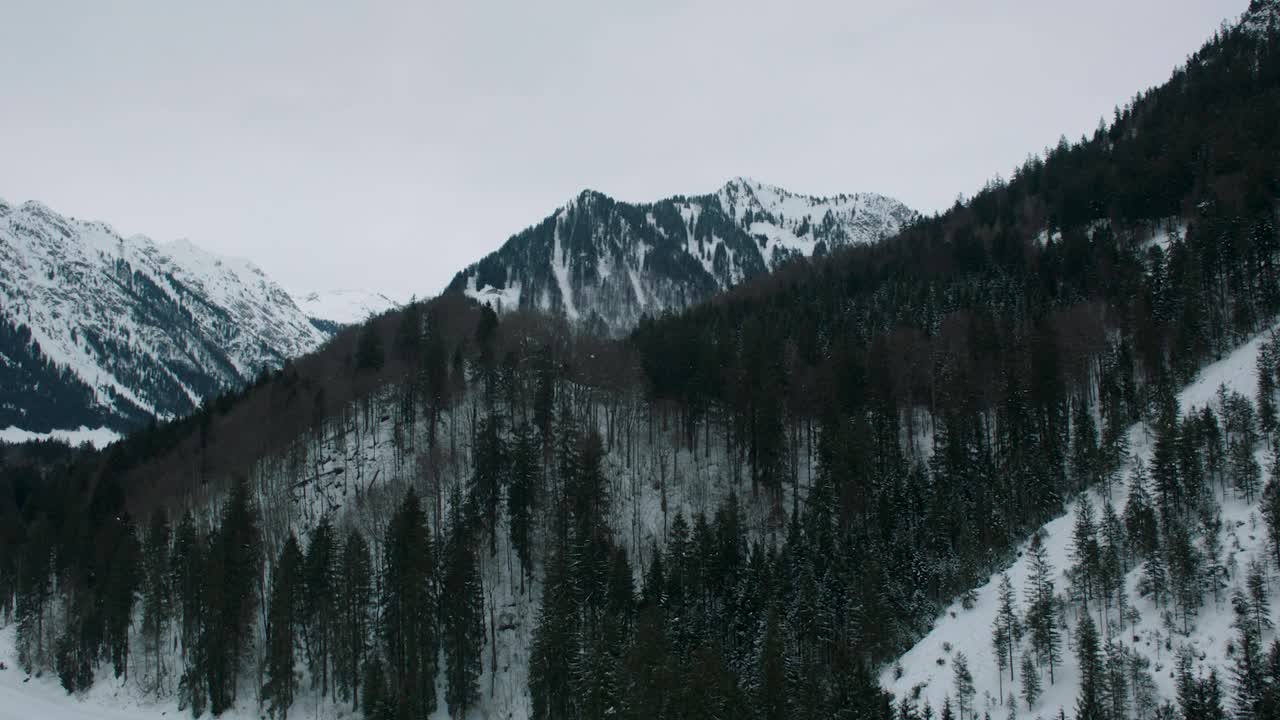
(344, 307)
(969, 631)
(98, 437)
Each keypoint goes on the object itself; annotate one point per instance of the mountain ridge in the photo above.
(606, 263)
(122, 329)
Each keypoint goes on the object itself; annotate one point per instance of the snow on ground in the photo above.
(560, 268)
(505, 299)
(928, 665)
(28, 697)
(98, 437)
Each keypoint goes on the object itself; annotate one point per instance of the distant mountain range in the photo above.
(101, 330)
(605, 263)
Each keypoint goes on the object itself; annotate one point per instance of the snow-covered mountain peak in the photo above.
(607, 263)
(343, 307)
(132, 327)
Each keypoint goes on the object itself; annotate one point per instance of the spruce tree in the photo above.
(1164, 467)
(1271, 512)
(1030, 681)
(320, 571)
(1040, 622)
(1248, 673)
(522, 496)
(284, 615)
(1089, 704)
(965, 690)
(1116, 686)
(463, 609)
(1007, 631)
(157, 602)
(1259, 600)
(1139, 516)
(234, 574)
(488, 472)
(1184, 571)
(1084, 549)
(354, 603)
(377, 702)
(409, 608)
(1246, 473)
(1084, 447)
(555, 645)
(1266, 370)
(190, 561)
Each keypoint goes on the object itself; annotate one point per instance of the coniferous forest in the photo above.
(745, 510)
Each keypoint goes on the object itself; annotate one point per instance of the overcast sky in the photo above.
(357, 144)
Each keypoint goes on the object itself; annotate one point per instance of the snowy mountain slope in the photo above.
(343, 307)
(130, 327)
(607, 263)
(928, 666)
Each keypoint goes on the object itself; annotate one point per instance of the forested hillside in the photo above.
(745, 510)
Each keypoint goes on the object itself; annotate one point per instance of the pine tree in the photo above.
(1184, 571)
(284, 618)
(1116, 686)
(232, 581)
(409, 608)
(1040, 622)
(1089, 704)
(1139, 516)
(190, 559)
(157, 603)
(1084, 447)
(489, 468)
(555, 645)
(1266, 369)
(1271, 511)
(1249, 688)
(463, 608)
(1164, 467)
(522, 496)
(1259, 602)
(1246, 474)
(772, 693)
(1141, 685)
(1030, 681)
(1155, 578)
(354, 603)
(1211, 698)
(377, 703)
(122, 577)
(1211, 436)
(1084, 549)
(320, 570)
(1007, 631)
(965, 690)
(369, 353)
